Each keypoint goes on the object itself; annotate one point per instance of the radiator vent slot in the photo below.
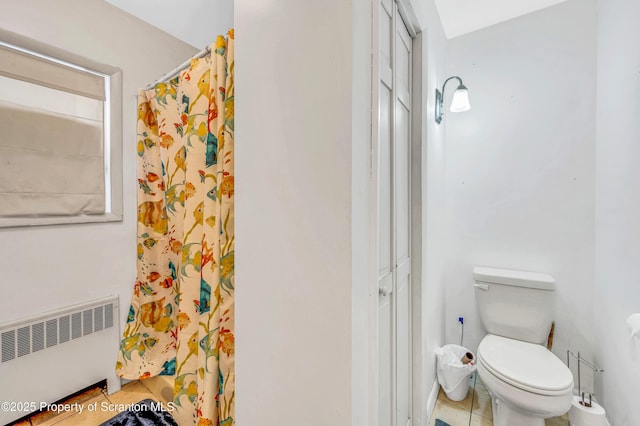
(65, 329)
(52, 332)
(98, 318)
(76, 325)
(87, 322)
(22, 338)
(24, 341)
(108, 316)
(37, 337)
(8, 345)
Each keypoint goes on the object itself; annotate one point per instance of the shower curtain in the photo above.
(181, 319)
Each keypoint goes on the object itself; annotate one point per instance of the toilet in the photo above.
(527, 382)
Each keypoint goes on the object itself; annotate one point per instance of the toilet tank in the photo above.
(515, 304)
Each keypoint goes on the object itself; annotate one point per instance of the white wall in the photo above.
(461, 16)
(617, 291)
(362, 397)
(520, 165)
(52, 266)
(196, 22)
(293, 212)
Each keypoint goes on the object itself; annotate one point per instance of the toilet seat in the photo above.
(527, 366)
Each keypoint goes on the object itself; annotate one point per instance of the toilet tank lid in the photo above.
(514, 278)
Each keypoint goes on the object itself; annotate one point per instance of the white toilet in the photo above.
(526, 381)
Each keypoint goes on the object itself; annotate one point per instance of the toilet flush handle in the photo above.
(481, 286)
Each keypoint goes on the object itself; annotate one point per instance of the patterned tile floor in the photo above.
(156, 389)
(475, 409)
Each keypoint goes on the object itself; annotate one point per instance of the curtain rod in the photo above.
(171, 74)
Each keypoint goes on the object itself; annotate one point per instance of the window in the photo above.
(60, 138)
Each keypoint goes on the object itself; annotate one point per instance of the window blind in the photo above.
(24, 66)
(51, 138)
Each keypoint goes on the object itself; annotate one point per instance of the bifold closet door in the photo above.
(393, 212)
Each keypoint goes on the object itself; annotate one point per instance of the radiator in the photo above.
(47, 357)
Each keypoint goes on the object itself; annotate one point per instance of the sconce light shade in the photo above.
(459, 103)
(460, 100)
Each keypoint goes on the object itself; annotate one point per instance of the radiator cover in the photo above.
(46, 357)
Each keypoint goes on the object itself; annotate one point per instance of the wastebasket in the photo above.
(455, 364)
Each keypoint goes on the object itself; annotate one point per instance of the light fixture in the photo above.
(460, 100)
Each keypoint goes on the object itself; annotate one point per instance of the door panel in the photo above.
(401, 182)
(393, 213)
(386, 38)
(384, 184)
(385, 221)
(385, 354)
(402, 222)
(403, 64)
(403, 357)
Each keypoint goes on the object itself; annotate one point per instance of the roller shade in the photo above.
(34, 69)
(51, 137)
(50, 164)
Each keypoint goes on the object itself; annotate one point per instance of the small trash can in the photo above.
(455, 364)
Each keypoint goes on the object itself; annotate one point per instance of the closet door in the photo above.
(393, 213)
(402, 221)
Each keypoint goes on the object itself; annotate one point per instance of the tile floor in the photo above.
(156, 389)
(475, 409)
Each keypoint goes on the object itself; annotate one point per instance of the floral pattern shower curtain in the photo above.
(181, 319)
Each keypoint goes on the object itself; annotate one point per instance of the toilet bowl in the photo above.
(527, 383)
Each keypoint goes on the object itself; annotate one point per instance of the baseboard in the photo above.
(431, 401)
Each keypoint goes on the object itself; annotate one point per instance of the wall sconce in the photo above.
(460, 100)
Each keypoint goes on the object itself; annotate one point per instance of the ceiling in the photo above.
(464, 16)
(199, 23)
